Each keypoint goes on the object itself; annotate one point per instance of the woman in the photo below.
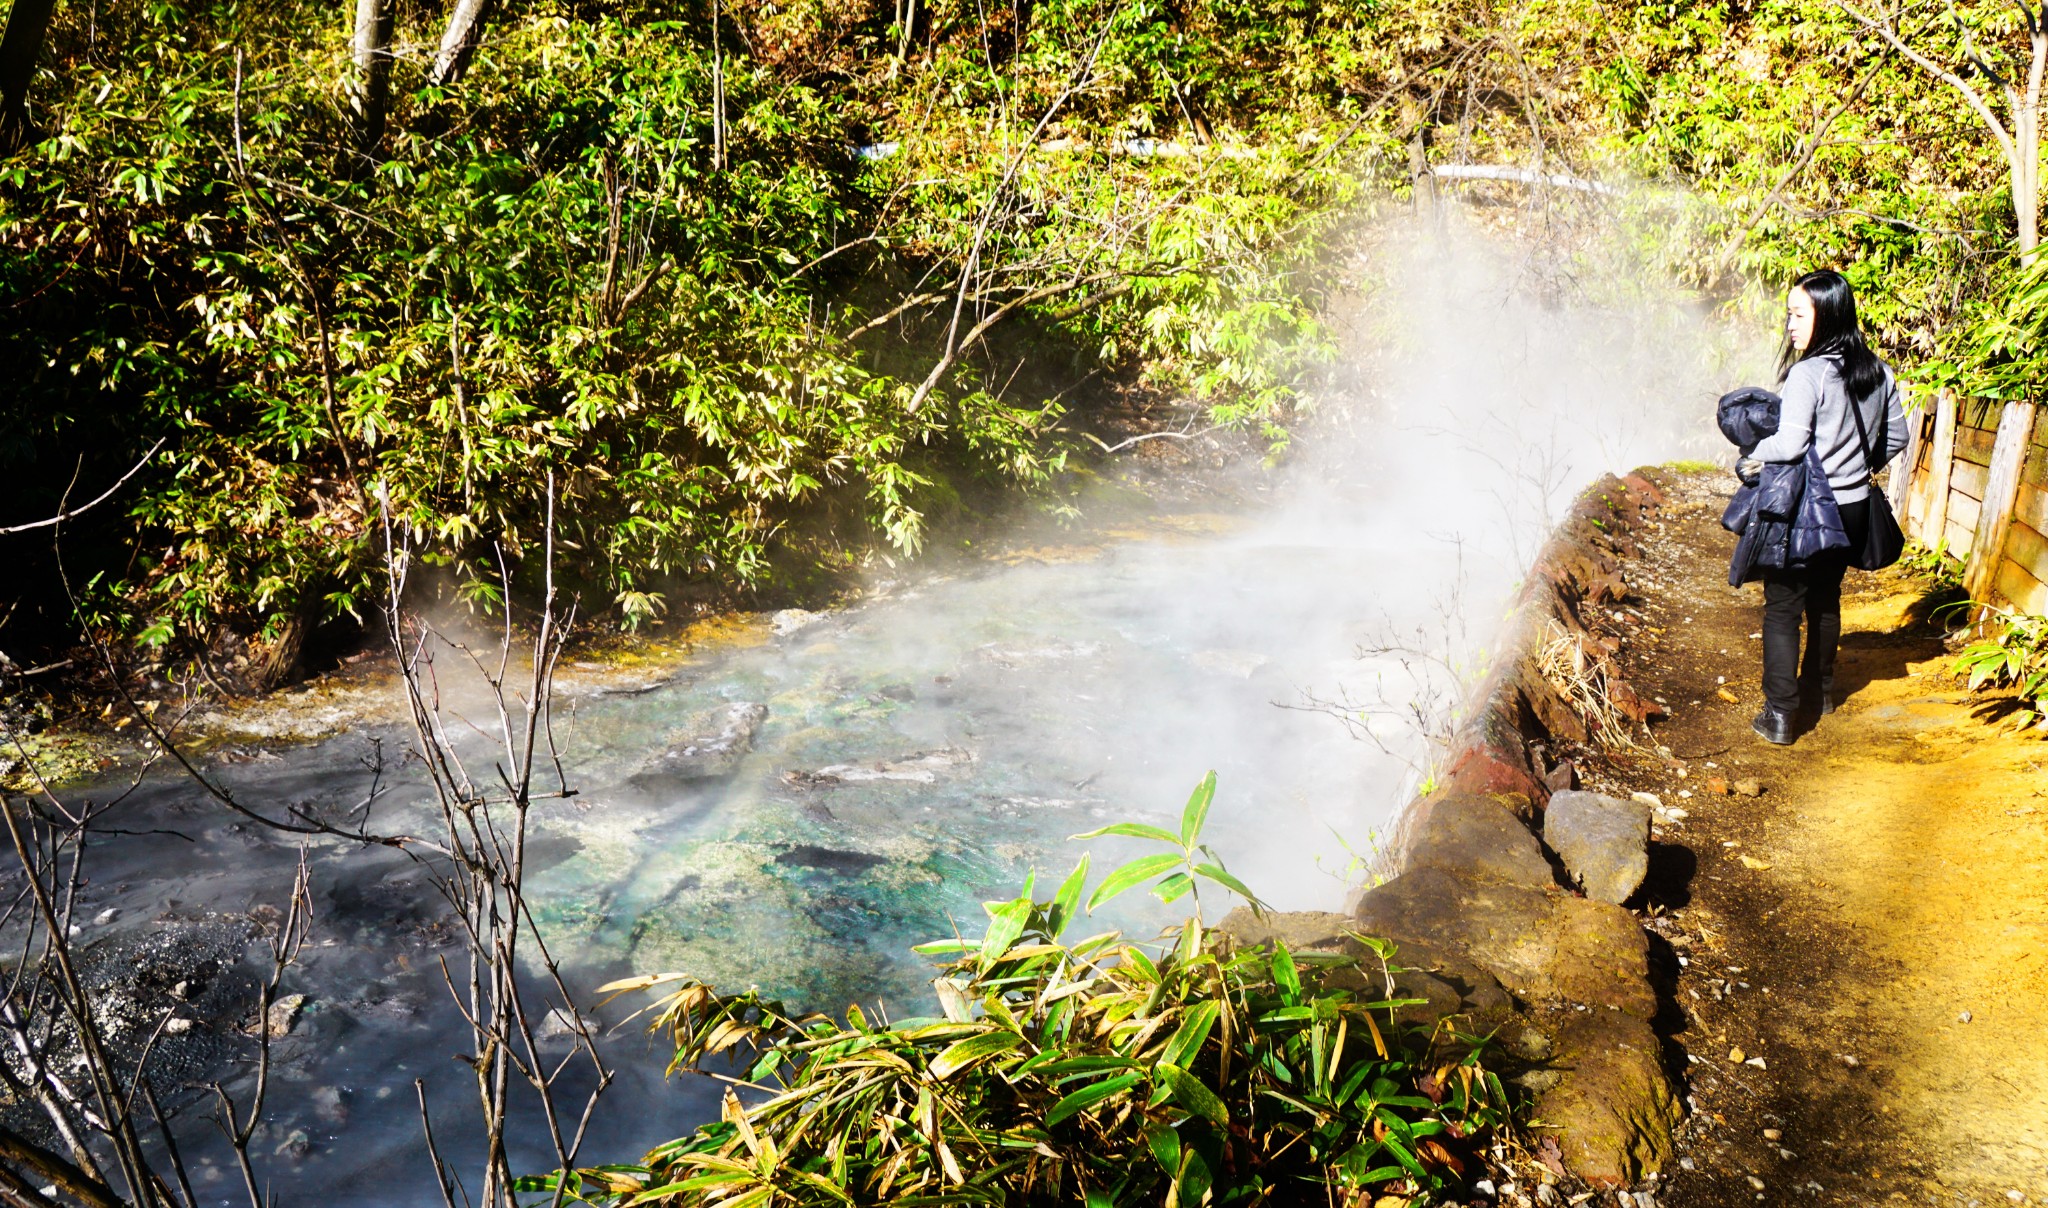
(1829, 380)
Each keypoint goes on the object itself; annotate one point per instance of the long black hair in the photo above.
(1836, 334)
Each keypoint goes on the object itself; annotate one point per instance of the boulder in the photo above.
(1472, 836)
(1543, 945)
(1299, 930)
(1446, 984)
(1603, 841)
(713, 749)
(1612, 1105)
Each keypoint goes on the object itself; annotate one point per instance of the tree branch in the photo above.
(80, 510)
(1970, 95)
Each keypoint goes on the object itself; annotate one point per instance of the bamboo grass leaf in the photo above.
(964, 1053)
(1130, 876)
(1196, 814)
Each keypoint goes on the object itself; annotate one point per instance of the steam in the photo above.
(1490, 376)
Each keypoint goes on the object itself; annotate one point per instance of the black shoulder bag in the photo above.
(1884, 541)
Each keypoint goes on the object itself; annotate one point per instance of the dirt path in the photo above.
(1873, 928)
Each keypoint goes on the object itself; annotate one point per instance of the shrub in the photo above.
(1098, 1071)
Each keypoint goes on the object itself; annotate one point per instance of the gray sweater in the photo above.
(1816, 412)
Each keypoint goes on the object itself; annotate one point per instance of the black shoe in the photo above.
(1773, 727)
(1817, 701)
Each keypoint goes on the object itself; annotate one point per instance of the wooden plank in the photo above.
(2020, 589)
(2031, 508)
(1979, 413)
(1975, 445)
(2025, 545)
(2015, 430)
(2036, 472)
(1941, 460)
(1958, 537)
(1963, 513)
(1905, 471)
(1968, 478)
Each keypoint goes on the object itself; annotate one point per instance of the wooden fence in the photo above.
(1977, 480)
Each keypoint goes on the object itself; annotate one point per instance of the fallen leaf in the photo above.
(1735, 1055)
(1754, 864)
(1726, 695)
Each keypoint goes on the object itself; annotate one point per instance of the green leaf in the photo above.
(1216, 873)
(1187, 1040)
(963, 1053)
(1192, 1093)
(1131, 875)
(1068, 898)
(1284, 974)
(1004, 927)
(1197, 811)
(1173, 888)
(1133, 830)
(1164, 1144)
(1090, 1095)
(1195, 1178)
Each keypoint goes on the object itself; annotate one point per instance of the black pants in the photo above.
(1815, 592)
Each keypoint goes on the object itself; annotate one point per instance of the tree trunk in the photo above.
(458, 41)
(2026, 143)
(373, 72)
(284, 660)
(27, 23)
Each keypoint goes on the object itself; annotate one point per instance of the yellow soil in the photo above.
(1924, 829)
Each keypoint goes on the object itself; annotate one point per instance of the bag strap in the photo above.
(1870, 461)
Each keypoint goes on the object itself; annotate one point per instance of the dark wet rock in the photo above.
(922, 767)
(330, 1103)
(714, 749)
(1543, 945)
(1612, 1105)
(829, 859)
(900, 693)
(1603, 841)
(1475, 837)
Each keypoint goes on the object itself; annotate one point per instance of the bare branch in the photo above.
(64, 515)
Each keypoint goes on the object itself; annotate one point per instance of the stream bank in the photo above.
(1857, 951)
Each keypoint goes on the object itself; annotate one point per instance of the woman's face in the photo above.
(1799, 318)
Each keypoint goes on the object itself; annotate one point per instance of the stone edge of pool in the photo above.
(1486, 927)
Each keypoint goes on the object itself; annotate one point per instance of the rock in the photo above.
(1299, 930)
(1446, 984)
(1613, 1108)
(562, 1025)
(923, 767)
(1472, 836)
(330, 1104)
(1603, 841)
(1542, 945)
(105, 917)
(1238, 664)
(284, 1015)
(1490, 760)
(1717, 785)
(1749, 787)
(789, 620)
(707, 755)
(177, 1027)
